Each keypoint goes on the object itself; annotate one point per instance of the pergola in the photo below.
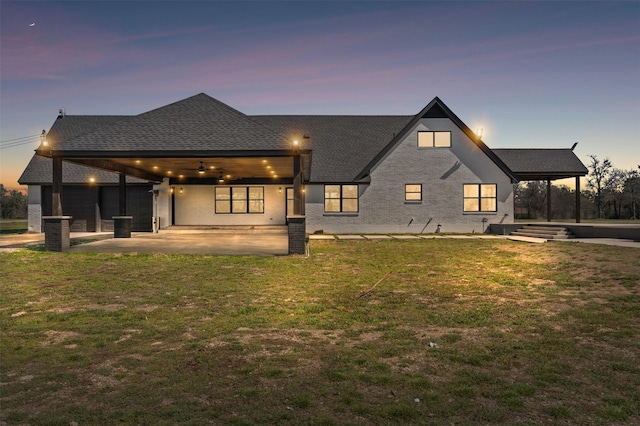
(545, 165)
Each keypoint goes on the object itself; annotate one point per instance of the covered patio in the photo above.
(545, 165)
(195, 143)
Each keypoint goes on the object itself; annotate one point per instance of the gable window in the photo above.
(480, 197)
(341, 198)
(434, 139)
(239, 199)
(413, 192)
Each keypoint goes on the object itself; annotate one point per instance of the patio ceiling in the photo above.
(187, 168)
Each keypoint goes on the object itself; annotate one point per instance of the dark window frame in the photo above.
(230, 200)
(433, 139)
(342, 198)
(479, 198)
(407, 192)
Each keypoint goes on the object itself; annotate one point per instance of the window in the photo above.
(480, 197)
(341, 198)
(434, 139)
(413, 192)
(239, 199)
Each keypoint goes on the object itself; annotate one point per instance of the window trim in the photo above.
(341, 198)
(479, 198)
(433, 139)
(406, 200)
(230, 200)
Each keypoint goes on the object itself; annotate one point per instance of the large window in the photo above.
(413, 192)
(341, 198)
(480, 197)
(239, 199)
(434, 139)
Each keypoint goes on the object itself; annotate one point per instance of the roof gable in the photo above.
(198, 123)
(434, 109)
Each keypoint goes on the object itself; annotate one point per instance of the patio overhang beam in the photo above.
(175, 154)
(175, 181)
(112, 166)
(525, 176)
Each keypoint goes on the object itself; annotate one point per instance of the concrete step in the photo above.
(542, 235)
(545, 232)
(550, 229)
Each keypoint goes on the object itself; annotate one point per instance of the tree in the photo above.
(632, 191)
(13, 204)
(532, 197)
(599, 172)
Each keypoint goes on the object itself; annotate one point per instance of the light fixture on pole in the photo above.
(43, 139)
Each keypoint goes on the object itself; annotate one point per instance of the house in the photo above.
(200, 162)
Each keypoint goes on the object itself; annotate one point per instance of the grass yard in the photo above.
(13, 226)
(363, 332)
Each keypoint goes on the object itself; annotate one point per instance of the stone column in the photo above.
(122, 226)
(56, 233)
(297, 234)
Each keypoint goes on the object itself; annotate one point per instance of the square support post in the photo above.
(57, 233)
(548, 200)
(298, 194)
(577, 199)
(297, 234)
(56, 188)
(122, 195)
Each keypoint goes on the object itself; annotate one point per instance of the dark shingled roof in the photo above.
(341, 145)
(343, 148)
(39, 171)
(538, 164)
(198, 123)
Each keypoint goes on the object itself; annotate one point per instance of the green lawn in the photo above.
(362, 332)
(13, 226)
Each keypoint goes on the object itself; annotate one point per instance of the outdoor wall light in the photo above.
(280, 190)
(43, 139)
(171, 190)
(201, 168)
(181, 191)
(92, 180)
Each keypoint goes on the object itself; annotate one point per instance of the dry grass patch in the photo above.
(364, 332)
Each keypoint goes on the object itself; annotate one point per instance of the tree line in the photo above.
(610, 193)
(13, 204)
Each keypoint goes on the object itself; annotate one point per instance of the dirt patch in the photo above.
(54, 337)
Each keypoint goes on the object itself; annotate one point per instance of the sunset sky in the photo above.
(531, 74)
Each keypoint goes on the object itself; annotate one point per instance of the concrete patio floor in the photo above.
(248, 242)
(271, 242)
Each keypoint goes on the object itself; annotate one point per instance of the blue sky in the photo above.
(531, 74)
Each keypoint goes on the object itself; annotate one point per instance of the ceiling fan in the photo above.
(223, 178)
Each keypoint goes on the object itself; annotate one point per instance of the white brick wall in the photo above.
(442, 173)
